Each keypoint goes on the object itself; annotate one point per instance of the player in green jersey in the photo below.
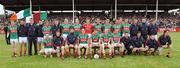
(77, 27)
(107, 25)
(126, 27)
(48, 46)
(12, 31)
(83, 43)
(98, 26)
(47, 29)
(65, 28)
(94, 42)
(106, 39)
(117, 26)
(117, 43)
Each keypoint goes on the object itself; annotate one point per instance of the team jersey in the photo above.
(22, 31)
(116, 26)
(39, 31)
(95, 38)
(48, 43)
(137, 41)
(65, 28)
(107, 26)
(58, 41)
(153, 29)
(46, 30)
(83, 39)
(143, 28)
(88, 28)
(134, 30)
(126, 27)
(98, 27)
(13, 32)
(77, 28)
(116, 37)
(106, 38)
(55, 28)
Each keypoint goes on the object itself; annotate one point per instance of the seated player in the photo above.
(48, 46)
(71, 43)
(127, 42)
(83, 43)
(165, 42)
(117, 43)
(106, 39)
(138, 44)
(59, 44)
(94, 42)
(152, 45)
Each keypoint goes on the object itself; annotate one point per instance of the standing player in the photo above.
(71, 43)
(65, 28)
(152, 45)
(22, 32)
(98, 26)
(88, 26)
(138, 44)
(127, 42)
(126, 27)
(94, 42)
(106, 39)
(55, 27)
(83, 43)
(40, 36)
(107, 25)
(12, 31)
(117, 43)
(153, 29)
(47, 29)
(144, 29)
(134, 28)
(117, 26)
(165, 42)
(32, 37)
(59, 44)
(77, 27)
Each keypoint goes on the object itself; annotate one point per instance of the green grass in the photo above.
(6, 61)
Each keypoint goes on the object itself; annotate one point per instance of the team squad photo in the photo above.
(89, 33)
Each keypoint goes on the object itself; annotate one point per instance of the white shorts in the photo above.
(39, 39)
(50, 36)
(89, 35)
(124, 34)
(83, 45)
(95, 44)
(155, 36)
(23, 39)
(13, 41)
(64, 36)
(48, 50)
(118, 45)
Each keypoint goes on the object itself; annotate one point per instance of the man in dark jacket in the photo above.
(165, 42)
(126, 40)
(152, 45)
(32, 37)
(71, 42)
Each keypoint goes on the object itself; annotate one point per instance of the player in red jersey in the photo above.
(88, 26)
